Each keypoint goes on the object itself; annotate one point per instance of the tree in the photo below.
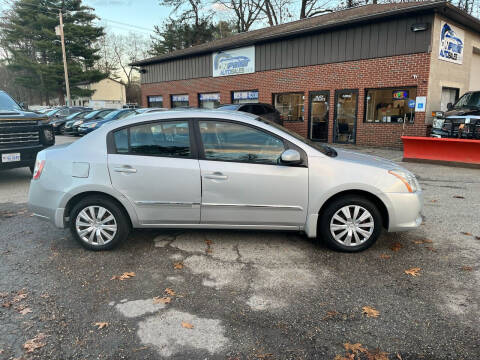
(246, 12)
(34, 50)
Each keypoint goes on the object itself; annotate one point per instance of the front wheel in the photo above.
(350, 224)
(98, 223)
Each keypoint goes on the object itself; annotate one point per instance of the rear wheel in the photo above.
(350, 224)
(98, 223)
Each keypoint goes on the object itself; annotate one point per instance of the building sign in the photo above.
(420, 103)
(234, 62)
(155, 98)
(245, 95)
(451, 43)
(209, 97)
(400, 95)
(180, 98)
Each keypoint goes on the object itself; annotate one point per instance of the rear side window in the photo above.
(169, 139)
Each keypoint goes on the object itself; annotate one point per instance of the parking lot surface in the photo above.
(245, 294)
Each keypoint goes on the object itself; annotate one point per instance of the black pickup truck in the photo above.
(22, 134)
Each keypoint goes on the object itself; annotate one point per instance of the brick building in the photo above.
(365, 75)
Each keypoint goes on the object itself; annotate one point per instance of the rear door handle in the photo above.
(125, 169)
(216, 176)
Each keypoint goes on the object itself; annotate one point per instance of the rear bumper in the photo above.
(27, 156)
(405, 210)
(44, 202)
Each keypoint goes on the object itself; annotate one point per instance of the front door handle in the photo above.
(125, 169)
(216, 176)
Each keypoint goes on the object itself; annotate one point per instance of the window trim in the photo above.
(290, 92)
(287, 144)
(365, 92)
(111, 148)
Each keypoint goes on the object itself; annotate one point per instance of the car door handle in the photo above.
(125, 169)
(216, 176)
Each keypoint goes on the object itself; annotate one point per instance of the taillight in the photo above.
(37, 172)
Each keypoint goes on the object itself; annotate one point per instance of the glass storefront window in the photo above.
(243, 97)
(179, 101)
(392, 105)
(209, 101)
(290, 106)
(154, 101)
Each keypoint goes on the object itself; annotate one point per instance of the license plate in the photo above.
(10, 157)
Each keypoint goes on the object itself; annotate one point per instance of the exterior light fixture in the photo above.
(419, 27)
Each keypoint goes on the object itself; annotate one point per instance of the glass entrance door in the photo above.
(345, 122)
(318, 117)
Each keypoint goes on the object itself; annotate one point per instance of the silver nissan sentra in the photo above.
(201, 169)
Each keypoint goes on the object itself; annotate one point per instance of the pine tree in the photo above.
(35, 53)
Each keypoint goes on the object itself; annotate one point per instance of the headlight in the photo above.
(48, 134)
(91, 125)
(79, 122)
(407, 178)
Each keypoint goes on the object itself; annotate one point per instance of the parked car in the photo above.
(461, 120)
(72, 126)
(266, 111)
(22, 134)
(61, 116)
(89, 126)
(219, 169)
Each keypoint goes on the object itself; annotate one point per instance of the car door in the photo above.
(243, 182)
(155, 166)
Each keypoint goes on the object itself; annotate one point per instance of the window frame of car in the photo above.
(112, 149)
(286, 143)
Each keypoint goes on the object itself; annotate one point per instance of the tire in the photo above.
(363, 233)
(104, 237)
(61, 129)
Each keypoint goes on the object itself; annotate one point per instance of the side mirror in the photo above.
(291, 157)
(449, 106)
(23, 105)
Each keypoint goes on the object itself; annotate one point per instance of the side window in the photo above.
(170, 139)
(227, 141)
(258, 110)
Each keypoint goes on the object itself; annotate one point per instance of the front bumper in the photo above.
(404, 210)
(27, 156)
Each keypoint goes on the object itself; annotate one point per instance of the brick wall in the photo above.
(396, 71)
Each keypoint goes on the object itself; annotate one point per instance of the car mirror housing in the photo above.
(291, 157)
(449, 106)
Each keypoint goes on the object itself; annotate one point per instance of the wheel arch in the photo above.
(368, 195)
(80, 196)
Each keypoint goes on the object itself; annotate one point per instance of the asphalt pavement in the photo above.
(245, 294)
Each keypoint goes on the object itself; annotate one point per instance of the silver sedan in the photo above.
(219, 169)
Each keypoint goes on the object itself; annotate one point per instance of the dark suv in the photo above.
(266, 111)
(22, 134)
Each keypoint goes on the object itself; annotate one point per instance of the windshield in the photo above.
(7, 103)
(469, 100)
(52, 112)
(70, 117)
(111, 115)
(92, 115)
(324, 149)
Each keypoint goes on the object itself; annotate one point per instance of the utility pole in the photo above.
(62, 38)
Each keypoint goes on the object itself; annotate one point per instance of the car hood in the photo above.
(462, 112)
(362, 159)
(6, 115)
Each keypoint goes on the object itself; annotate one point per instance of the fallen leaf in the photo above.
(433, 201)
(346, 357)
(377, 355)
(178, 265)
(355, 348)
(431, 248)
(370, 311)
(263, 356)
(162, 300)
(170, 292)
(399, 357)
(413, 271)
(385, 256)
(424, 241)
(208, 242)
(6, 304)
(3, 295)
(101, 325)
(477, 237)
(25, 311)
(331, 314)
(187, 325)
(396, 246)
(458, 197)
(35, 343)
(124, 276)
(19, 297)
(466, 233)
(467, 268)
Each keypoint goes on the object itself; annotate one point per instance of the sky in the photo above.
(135, 15)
